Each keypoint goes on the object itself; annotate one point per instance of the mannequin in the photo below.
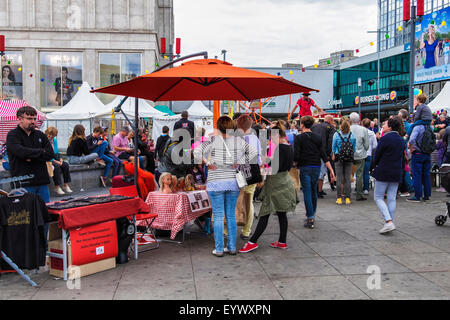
(165, 183)
(189, 184)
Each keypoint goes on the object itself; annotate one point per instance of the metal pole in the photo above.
(412, 41)
(170, 59)
(359, 98)
(378, 85)
(136, 161)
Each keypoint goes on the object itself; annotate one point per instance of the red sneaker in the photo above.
(279, 245)
(249, 247)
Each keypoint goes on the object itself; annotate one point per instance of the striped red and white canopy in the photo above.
(8, 118)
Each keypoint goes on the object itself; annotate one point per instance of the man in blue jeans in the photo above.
(420, 165)
(98, 146)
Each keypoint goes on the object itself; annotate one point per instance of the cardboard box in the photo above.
(73, 272)
(55, 245)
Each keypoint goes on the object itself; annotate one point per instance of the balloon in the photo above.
(417, 91)
(315, 66)
(371, 43)
(291, 72)
(444, 23)
(20, 69)
(146, 71)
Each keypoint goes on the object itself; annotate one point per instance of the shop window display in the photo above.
(60, 76)
(117, 67)
(11, 85)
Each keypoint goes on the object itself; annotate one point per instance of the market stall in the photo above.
(8, 118)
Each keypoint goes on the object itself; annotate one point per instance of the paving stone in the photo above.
(261, 288)
(311, 288)
(342, 248)
(406, 286)
(442, 279)
(423, 262)
(296, 267)
(401, 246)
(359, 264)
(164, 289)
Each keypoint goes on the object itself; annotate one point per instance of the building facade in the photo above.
(53, 46)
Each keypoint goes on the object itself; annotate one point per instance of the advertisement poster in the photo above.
(11, 86)
(432, 47)
(61, 75)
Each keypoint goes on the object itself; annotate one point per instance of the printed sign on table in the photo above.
(198, 200)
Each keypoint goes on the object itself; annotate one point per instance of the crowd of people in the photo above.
(393, 157)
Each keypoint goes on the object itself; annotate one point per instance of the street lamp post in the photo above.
(359, 97)
(411, 18)
(378, 32)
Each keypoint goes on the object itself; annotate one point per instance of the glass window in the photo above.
(117, 67)
(60, 77)
(12, 85)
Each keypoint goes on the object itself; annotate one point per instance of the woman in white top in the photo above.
(225, 151)
(372, 146)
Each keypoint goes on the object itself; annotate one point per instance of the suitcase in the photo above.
(122, 181)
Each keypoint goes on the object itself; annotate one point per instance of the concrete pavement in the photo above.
(339, 259)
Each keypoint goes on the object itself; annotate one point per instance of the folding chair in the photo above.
(146, 219)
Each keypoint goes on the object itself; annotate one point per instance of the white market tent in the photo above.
(442, 100)
(84, 105)
(198, 109)
(145, 109)
(198, 113)
(80, 110)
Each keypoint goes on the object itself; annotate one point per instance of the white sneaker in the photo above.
(67, 189)
(366, 192)
(388, 227)
(404, 194)
(59, 191)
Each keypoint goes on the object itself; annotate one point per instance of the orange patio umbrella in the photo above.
(205, 79)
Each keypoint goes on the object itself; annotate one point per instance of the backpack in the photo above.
(428, 142)
(346, 152)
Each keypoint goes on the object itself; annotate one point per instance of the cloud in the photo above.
(268, 33)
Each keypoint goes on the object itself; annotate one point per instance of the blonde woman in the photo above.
(431, 47)
(60, 167)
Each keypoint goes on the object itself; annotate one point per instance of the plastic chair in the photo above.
(145, 219)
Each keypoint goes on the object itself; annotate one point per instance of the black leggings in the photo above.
(262, 225)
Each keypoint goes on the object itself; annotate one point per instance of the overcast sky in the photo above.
(268, 33)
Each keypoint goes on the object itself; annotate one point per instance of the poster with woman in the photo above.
(11, 85)
(432, 47)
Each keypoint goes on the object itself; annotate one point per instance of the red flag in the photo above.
(178, 46)
(163, 45)
(420, 8)
(406, 10)
(2, 43)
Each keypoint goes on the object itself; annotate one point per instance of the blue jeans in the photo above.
(100, 150)
(223, 205)
(421, 166)
(83, 159)
(309, 177)
(390, 189)
(417, 123)
(366, 173)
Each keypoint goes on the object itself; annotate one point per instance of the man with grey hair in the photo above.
(362, 145)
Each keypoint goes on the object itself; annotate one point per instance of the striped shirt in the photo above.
(224, 153)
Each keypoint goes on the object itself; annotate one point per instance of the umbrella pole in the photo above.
(136, 161)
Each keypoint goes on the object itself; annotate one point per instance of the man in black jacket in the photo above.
(186, 124)
(28, 151)
(326, 131)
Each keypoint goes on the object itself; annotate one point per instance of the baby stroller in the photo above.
(444, 172)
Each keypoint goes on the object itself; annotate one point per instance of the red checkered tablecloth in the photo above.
(174, 210)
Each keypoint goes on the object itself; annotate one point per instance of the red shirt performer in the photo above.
(305, 103)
